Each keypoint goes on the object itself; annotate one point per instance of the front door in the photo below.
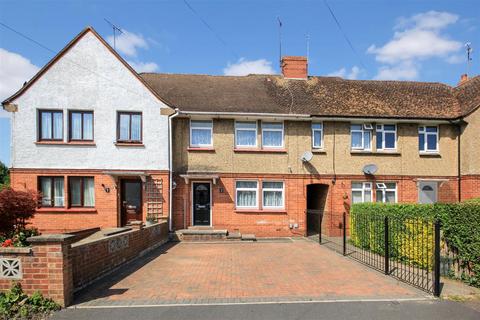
(130, 200)
(201, 203)
(428, 192)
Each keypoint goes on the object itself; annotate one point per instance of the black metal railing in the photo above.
(405, 248)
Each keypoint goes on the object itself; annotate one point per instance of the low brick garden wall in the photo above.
(57, 267)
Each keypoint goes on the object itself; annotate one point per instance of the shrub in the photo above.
(4, 176)
(15, 304)
(16, 207)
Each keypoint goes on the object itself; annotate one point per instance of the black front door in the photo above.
(201, 203)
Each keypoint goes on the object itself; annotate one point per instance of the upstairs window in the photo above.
(129, 127)
(317, 135)
(428, 139)
(273, 195)
(246, 194)
(50, 125)
(245, 134)
(386, 136)
(52, 191)
(361, 192)
(361, 135)
(272, 134)
(201, 133)
(81, 126)
(386, 192)
(81, 191)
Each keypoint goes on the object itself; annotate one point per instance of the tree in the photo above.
(4, 175)
(16, 207)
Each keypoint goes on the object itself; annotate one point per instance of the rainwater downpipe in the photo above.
(170, 168)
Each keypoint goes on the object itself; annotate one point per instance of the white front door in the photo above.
(427, 192)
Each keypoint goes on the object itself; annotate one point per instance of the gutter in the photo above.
(170, 168)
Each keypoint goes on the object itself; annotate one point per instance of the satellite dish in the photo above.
(370, 169)
(306, 156)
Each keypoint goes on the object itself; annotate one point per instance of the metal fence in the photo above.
(405, 248)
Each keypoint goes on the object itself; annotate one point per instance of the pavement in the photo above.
(373, 310)
(239, 272)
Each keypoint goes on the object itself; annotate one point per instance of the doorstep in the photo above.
(200, 235)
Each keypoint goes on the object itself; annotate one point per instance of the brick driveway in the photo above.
(287, 270)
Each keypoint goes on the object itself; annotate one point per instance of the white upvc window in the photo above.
(428, 139)
(361, 192)
(386, 136)
(386, 192)
(245, 134)
(201, 133)
(272, 134)
(361, 136)
(246, 194)
(273, 194)
(317, 135)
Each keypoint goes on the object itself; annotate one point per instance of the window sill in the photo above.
(71, 143)
(321, 151)
(280, 211)
(65, 210)
(378, 152)
(200, 149)
(429, 154)
(260, 150)
(127, 144)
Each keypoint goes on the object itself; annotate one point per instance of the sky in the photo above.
(421, 40)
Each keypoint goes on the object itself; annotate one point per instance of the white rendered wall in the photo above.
(90, 77)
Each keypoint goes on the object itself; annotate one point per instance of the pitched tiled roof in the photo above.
(468, 95)
(319, 96)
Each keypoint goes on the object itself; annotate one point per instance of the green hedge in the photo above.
(460, 225)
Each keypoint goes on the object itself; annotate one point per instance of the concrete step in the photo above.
(201, 235)
(234, 236)
(200, 228)
(248, 237)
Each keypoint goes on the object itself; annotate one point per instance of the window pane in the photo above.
(431, 142)
(356, 139)
(317, 138)
(245, 125)
(247, 184)
(431, 129)
(75, 192)
(46, 190)
(58, 125)
(390, 196)
(88, 192)
(379, 140)
(124, 127)
(273, 198)
(88, 126)
(76, 126)
(272, 138)
(367, 140)
(272, 125)
(357, 197)
(421, 142)
(246, 138)
(389, 140)
(389, 127)
(379, 195)
(317, 126)
(46, 125)
(356, 127)
(272, 185)
(136, 127)
(246, 198)
(201, 123)
(59, 192)
(201, 137)
(368, 196)
(356, 185)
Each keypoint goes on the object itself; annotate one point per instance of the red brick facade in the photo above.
(470, 187)
(278, 223)
(106, 212)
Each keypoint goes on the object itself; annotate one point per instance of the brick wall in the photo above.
(106, 211)
(470, 187)
(277, 223)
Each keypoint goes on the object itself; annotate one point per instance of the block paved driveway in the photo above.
(201, 273)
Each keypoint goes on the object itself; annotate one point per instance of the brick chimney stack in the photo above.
(294, 67)
(463, 78)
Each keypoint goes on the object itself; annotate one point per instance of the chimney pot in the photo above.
(295, 67)
(463, 78)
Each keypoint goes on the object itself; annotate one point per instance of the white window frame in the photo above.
(383, 131)
(363, 189)
(243, 129)
(422, 130)
(273, 189)
(381, 186)
(366, 127)
(246, 189)
(321, 135)
(282, 130)
(211, 134)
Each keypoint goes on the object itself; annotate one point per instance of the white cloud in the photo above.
(128, 43)
(144, 66)
(14, 71)
(352, 74)
(456, 58)
(417, 38)
(245, 67)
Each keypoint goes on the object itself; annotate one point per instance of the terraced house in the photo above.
(258, 154)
